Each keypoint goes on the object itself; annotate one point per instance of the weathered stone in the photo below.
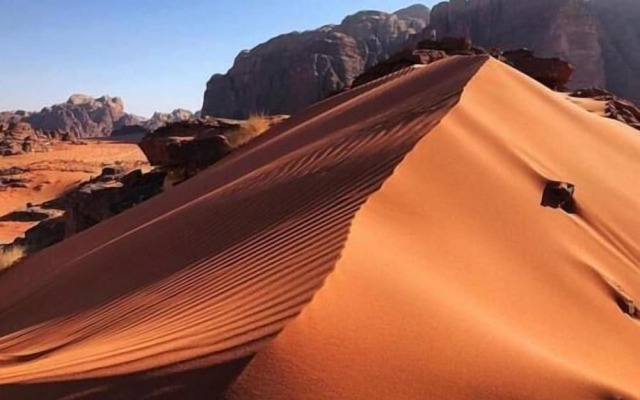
(551, 72)
(295, 70)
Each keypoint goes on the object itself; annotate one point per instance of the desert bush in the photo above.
(252, 128)
(9, 255)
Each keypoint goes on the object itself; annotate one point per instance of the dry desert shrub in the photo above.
(10, 255)
(252, 128)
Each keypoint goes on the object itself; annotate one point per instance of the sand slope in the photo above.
(455, 284)
(449, 282)
(206, 273)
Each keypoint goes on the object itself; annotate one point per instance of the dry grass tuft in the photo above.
(252, 128)
(11, 255)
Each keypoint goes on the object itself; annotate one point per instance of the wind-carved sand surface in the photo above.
(53, 173)
(386, 243)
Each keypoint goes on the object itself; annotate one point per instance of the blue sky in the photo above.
(155, 54)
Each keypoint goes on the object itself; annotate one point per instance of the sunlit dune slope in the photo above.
(455, 283)
(171, 298)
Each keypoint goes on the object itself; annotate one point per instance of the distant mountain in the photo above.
(291, 71)
(159, 119)
(80, 115)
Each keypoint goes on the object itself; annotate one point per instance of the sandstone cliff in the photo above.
(552, 28)
(620, 42)
(297, 69)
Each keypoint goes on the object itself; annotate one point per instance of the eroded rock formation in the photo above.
(294, 70)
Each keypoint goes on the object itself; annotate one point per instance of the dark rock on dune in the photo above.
(551, 72)
(294, 70)
(559, 195)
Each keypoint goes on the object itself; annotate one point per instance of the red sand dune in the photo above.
(419, 204)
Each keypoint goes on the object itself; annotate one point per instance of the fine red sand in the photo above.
(445, 278)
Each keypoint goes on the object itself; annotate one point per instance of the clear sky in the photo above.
(155, 54)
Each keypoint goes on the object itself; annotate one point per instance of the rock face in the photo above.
(551, 28)
(294, 70)
(190, 144)
(552, 72)
(599, 37)
(80, 116)
(620, 41)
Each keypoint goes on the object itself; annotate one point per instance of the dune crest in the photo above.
(203, 276)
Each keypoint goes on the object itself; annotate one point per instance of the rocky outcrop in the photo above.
(84, 116)
(599, 37)
(615, 107)
(552, 72)
(191, 144)
(79, 116)
(114, 191)
(295, 70)
(20, 137)
(551, 28)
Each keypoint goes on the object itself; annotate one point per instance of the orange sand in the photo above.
(451, 281)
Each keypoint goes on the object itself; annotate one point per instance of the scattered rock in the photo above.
(15, 183)
(551, 72)
(114, 191)
(31, 214)
(559, 195)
